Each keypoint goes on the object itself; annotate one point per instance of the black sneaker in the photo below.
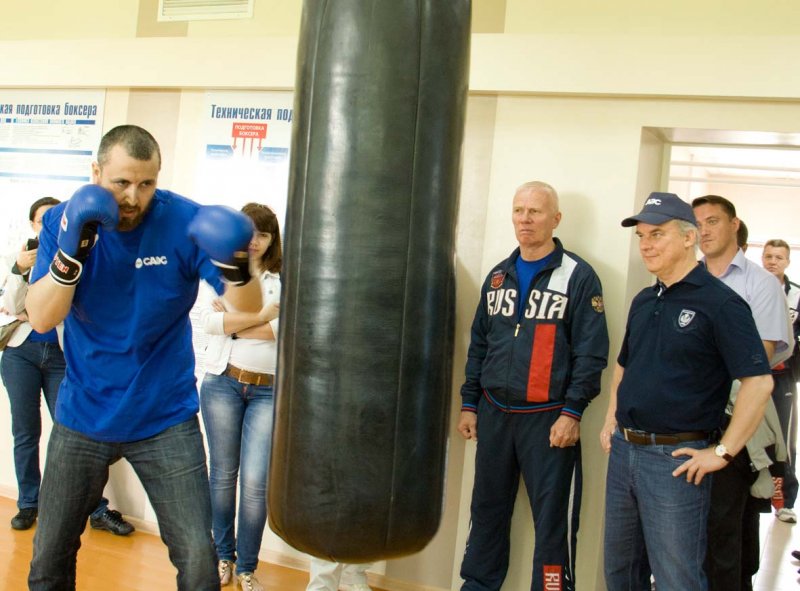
(25, 518)
(111, 521)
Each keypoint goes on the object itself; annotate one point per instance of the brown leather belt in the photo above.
(249, 377)
(644, 438)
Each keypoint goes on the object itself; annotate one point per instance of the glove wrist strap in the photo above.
(65, 269)
(238, 271)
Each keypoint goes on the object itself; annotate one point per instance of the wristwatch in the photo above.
(722, 452)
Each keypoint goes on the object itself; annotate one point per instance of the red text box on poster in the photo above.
(249, 130)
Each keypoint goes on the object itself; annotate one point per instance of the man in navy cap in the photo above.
(687, 338)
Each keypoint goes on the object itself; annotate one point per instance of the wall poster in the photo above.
(48, 140)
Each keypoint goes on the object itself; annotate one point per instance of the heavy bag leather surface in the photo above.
(366, 333)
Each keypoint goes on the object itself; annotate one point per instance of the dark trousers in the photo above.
(732, 523)
(751, 545)
(784, 395)
(510, 445)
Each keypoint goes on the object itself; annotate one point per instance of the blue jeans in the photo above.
(654, 520)
(172, 468)
(238, 421)
(28, 370)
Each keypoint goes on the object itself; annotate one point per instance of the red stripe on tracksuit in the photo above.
(544, 342)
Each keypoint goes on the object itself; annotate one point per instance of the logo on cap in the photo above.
(652, 201)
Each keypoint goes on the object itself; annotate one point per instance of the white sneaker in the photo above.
(249, 582)
(225, 568)
(360, 587)
(786, 515)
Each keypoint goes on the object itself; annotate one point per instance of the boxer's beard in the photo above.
(129, 223)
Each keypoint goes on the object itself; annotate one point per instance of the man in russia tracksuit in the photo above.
(539, 345)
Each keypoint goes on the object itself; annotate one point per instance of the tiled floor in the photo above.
(778, 571)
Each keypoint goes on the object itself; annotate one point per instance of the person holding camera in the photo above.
(32, 363)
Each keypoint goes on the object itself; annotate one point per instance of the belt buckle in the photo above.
(637, 437)
(630, 434)
(243, 378)
(236, 373)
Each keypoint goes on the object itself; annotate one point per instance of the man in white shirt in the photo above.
(732, 553)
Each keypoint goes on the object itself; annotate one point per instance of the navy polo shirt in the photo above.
(683, 346)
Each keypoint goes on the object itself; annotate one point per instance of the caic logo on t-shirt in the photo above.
(552, 577)
(542, 305)
(150, 261)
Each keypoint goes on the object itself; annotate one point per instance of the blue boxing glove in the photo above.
(225, 234)
(89, 207)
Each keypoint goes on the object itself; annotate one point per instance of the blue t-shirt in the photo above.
(683, 346)
(526, 271)
(127, 337)
(51, 336)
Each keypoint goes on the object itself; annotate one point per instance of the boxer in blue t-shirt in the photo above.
(120, 264)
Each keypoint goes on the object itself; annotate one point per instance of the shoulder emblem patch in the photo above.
(497, 279)
(597, 304)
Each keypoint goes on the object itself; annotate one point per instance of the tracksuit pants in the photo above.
(510, 444)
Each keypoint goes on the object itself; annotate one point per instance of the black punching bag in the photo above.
(367, 308)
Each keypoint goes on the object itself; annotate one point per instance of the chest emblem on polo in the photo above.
(497, 279)
(685, 318)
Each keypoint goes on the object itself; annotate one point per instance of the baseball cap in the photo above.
(661, 208)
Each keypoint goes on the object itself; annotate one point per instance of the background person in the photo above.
(538, 347)
(327, 576)
(687, 337)
(742, 234)
(236, 400)
(33, 364)
(776, 258)
(732, 556)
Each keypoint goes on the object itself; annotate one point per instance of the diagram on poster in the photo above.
(246, 145)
